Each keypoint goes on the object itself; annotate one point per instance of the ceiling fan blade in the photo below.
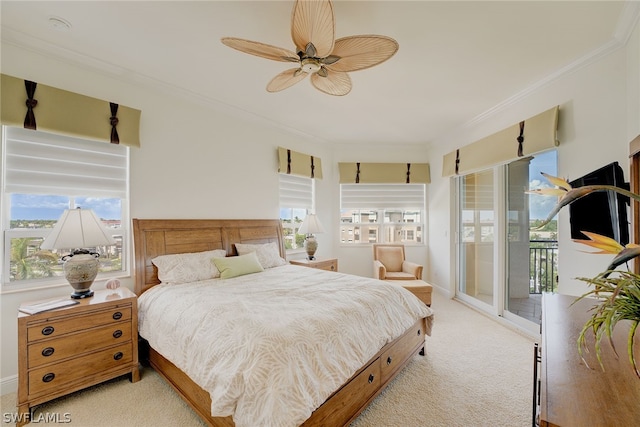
(260, 49)
(312, 21)
(360, 52)
(286, 79)
(336, 83)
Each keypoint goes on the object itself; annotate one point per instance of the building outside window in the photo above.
(382, 213)
(297, 199)
(44, 174)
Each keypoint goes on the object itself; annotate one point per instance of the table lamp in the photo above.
(310, 226)
(77, 229)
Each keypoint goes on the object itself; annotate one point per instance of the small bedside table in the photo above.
(322, 264)
(71, 348)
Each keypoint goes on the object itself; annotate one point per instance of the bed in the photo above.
(158, 237)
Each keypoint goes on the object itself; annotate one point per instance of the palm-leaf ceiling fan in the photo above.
(318, 53)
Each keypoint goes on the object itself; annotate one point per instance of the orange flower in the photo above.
(609, 246)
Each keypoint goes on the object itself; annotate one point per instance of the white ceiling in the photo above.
(458, 60)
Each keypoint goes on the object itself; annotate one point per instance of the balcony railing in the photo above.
(543, 266)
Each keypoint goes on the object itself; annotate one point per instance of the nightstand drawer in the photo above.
(49, 351)
(52, 377)
(55, 327)
(324, 264)
(329, 265)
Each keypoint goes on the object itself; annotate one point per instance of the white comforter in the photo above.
(271, 347)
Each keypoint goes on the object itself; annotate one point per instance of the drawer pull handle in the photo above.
(371, 377)
(419, 332)
(47, 330)
(118, 355)
(47, 378)
(47, 351)
(333, 267)
(117, 315)
(388, 360)
(117, 333)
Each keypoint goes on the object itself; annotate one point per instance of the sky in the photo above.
(540, 206)
(34, 206)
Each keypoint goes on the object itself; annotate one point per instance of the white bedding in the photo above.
(271, 347)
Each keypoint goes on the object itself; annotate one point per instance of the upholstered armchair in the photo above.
(389, 263)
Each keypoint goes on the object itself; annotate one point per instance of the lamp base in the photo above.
(311, 245)
(80, 269)
(80, 294)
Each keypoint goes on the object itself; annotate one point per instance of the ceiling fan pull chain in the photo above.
(520, 139)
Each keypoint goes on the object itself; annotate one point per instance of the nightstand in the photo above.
(71, 348)
(322, 264)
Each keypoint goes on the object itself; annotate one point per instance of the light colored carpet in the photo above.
(476, 373)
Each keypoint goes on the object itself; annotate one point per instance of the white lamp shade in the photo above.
(310, 225)
(78, 228)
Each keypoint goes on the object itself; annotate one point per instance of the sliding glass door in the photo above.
(504, 262)
(476, 232)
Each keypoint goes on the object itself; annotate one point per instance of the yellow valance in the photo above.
(294, 163)
(40, 107)
(384, 173)
(528, 137)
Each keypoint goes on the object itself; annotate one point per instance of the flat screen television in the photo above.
(603, 212)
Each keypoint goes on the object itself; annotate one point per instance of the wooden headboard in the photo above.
(154, 237)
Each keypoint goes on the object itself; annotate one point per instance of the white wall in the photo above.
(599, 116)
(194, 162)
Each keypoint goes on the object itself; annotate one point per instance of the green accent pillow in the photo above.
(238, 265)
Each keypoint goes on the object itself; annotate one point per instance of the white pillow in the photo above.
(268, 253)
(187, 267)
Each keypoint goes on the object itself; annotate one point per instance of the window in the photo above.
(44, 174)
(382, 213)
(297, 196)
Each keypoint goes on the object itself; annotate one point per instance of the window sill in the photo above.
(16, 288)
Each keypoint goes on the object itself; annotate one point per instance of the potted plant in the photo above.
(617, 291)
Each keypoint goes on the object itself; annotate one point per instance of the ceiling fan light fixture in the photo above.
(310, 65)
(324, 58)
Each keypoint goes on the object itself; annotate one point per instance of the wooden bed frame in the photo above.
(153, 237)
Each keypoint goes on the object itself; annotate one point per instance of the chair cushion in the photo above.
(399, 275)
(391, 257)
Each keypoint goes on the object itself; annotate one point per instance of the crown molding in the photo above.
(55, 52)
(629, 16)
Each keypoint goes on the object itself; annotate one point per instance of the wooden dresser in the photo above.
(65, 350)
(572, 394)
(322, 264)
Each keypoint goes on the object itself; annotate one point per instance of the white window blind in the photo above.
(43, 163)
(296, 192)
(382, 196)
